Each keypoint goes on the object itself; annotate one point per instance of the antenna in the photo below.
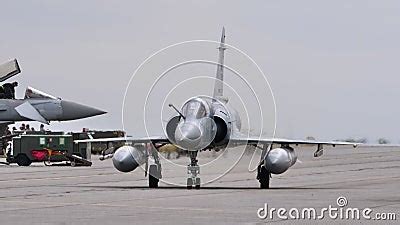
(180, 114)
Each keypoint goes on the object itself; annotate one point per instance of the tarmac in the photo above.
(367, 177)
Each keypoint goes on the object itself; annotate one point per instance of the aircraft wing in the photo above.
(237, 141)
(378, 145)
(255, 140)
(233, 140)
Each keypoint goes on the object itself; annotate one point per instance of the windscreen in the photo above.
(194, 109)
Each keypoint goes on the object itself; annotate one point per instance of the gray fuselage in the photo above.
(206, 123)
(49, 109)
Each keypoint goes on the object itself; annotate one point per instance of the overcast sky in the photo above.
(333, 65)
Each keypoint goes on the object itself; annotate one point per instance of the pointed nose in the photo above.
(73, 111)
(188, 136)
(188, 132)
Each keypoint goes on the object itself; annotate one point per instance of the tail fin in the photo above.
(9, 69)
(219, 85)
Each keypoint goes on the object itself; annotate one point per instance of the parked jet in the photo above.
(208, 123)
(36, 105)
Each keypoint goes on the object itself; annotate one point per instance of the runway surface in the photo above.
(367, 177)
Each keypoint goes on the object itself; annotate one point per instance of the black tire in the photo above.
(263, 178)
(153, 179)
(23, 160)
(153, 182)
(197, 183)
(189, 183)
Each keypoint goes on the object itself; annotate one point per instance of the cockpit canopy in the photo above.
(31, 92)
(196, 108)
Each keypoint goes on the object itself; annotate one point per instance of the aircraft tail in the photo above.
(219, 85)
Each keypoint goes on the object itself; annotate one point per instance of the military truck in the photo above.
(50, 147)
(44, 147)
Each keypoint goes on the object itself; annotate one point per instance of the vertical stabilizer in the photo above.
(219, 82)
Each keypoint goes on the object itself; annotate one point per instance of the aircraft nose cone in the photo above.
(188, 136)
(188, 131)
(73, 111)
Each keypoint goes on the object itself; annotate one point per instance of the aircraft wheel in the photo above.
(189, 183)
(264, 178)
(23, 160)
(153, 180)
(197, 183)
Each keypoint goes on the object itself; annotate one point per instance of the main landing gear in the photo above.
(154, 175)
(154, 169)
(263, 176)
(193, 170)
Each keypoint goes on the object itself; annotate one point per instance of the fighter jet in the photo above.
(205, 123)
(36, 105)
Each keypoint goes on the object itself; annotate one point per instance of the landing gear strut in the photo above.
(154, 169)
(263, 176)
(193, 170)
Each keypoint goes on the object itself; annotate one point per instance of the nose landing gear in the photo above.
(193, 170)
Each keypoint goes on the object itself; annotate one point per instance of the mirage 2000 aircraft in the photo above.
(204, 124)
(36, 105)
